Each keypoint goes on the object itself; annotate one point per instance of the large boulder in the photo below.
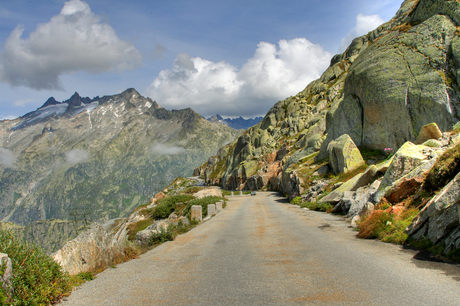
(352, 184)
(344, 156)
(439, 219)
(406, 159)
(429, 131)
(92, 250)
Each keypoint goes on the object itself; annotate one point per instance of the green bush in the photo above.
(203, 202)
(162, 236)
(296, 200)
(37, 278)
(167, 205)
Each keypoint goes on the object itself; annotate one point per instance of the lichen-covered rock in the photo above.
(359, 180)
(409, 183)
(344, 156)
(399, 84)
(407, 158)
(90, 251)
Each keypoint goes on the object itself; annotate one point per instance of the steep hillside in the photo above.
(380, 91)
(98, 158)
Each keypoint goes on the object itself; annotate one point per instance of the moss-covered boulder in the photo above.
(344, 156)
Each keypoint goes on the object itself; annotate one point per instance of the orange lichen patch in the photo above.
(404, 189)
(397, 209)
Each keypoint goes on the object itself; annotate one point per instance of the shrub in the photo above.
(296, 200)
(162, 236)
(167, 205)
(37, 278)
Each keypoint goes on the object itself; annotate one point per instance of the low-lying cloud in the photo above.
(7, 158)
(76, 156)
(274, 72)
(74, 40)
(364, 24)
(162, 149)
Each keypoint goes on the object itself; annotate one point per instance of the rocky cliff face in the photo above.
(380, 91)
(97, 159)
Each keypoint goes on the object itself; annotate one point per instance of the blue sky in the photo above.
(228, 57)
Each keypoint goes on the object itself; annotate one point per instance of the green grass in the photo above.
(325, 207)
(37, 278)
(134, 228)
(386, 226)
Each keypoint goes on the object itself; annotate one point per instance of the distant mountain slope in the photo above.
(98, 157)
(236, 123)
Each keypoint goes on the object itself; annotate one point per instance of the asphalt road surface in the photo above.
(261, 250)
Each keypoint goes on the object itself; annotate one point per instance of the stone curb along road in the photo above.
(262, 250)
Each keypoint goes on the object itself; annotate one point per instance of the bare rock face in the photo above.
(215, 192)
(92, 250)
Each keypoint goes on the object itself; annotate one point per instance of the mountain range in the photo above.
(98, 158)
(236, 123)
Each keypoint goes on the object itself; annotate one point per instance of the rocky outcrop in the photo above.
(393, 85)
(92, 250)
(439, 219)
(403, 79)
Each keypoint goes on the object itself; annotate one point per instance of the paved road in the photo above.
(263, 251)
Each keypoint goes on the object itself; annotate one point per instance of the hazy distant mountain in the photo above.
(237, 123)
(101, 157)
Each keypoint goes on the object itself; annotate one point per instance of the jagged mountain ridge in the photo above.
(101, 157)
(236, 123)
(381, 91)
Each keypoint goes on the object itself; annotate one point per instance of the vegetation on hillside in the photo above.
(37, 279)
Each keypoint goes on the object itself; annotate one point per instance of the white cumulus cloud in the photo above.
(162, 149)
(364, 24)
(7, 158)
(76, 156)
(74, 40)
(274, 72)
